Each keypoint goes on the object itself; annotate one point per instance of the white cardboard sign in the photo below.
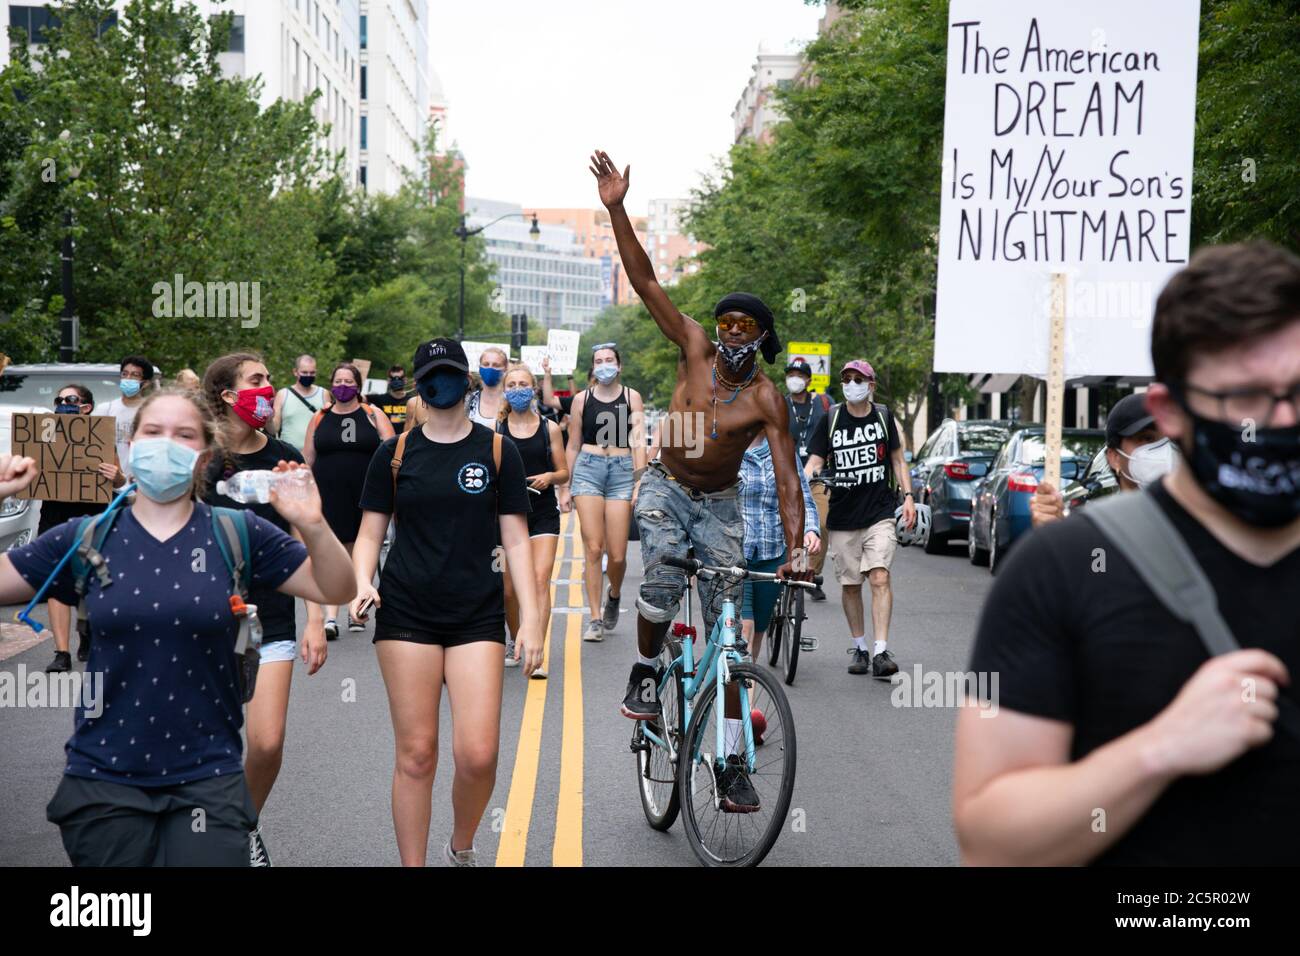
(563, 346)
(474, 351)
(532, 355)
(1068, 134)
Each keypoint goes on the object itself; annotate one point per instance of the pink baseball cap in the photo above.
(860, 365)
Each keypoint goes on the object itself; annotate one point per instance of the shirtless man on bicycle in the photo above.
(687, 498)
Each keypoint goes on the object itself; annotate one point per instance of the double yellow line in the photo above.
(567, 849)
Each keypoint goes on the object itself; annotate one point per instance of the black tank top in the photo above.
(535, 453)
(603, 418)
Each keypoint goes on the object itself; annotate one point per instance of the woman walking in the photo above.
(71, 400)
(484, 404)
(606, 457)
(238, 391)
(458, 495)
(538, 441)
(339, 444)
(160, 744)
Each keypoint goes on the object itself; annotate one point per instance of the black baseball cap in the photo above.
(1127, 418)
(800, 366)
(438, 353)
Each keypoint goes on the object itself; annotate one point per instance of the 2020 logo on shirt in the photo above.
(472, 478)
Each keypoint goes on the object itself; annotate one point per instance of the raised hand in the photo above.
(612, 186)
(16, 473)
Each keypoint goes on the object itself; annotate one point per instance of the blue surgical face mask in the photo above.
(130, 387)
(444, 388)
(606, 373)
(520, 399)
(163, 469)
(491, 376)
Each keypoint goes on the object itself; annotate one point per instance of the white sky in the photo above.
(534, 85)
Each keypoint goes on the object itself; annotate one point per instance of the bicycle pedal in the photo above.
(808, 643)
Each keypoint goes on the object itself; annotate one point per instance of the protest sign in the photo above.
(563, 346)
(68, 450)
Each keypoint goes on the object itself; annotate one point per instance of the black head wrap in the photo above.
(755, 308)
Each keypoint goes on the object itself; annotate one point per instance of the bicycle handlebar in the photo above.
(696, 567)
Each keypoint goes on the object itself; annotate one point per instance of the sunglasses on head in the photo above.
(604, 345)
(743, 322)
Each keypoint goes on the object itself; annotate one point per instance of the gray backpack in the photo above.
(1136, 524)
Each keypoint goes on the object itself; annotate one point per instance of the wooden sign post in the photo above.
(1055, 384)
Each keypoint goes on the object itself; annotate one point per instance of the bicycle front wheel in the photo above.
(656, 767)
(718, 837)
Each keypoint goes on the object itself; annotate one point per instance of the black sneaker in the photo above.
(734, 789)
(642, 683)
(861, 661)
(883, 666)
(355, 625)
(257, 855)
(817, 594)
(83, 649)
(331, 630)
(61, 664)
(610, 618)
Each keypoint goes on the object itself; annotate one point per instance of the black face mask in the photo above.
(444, 388)
(1258, 480)
(306, 381)
(397, 384)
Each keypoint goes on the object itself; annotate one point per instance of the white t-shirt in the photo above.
(125, 415)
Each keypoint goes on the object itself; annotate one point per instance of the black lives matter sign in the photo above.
(1068, 139)
(68, 450)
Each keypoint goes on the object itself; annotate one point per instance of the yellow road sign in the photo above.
(818, 357)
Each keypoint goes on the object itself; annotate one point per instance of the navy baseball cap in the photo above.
(800, 366)
(1127, 418)
(438, 353)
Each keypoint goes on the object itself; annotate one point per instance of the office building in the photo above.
(395, 88)
(595, 234)
(756, 111)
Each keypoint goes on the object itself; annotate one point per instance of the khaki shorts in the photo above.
(854, 553)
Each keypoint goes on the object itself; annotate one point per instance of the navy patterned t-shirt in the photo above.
(162, 647)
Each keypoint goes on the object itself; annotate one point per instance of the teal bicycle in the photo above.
(691, 756)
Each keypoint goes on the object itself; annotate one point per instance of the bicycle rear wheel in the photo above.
(793, 632)
(656, 768)
(738, 839)
(776, 635)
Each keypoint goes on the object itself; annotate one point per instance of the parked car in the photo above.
(945, 470)
(1097, 481)
(32, 388)
(1000, 510)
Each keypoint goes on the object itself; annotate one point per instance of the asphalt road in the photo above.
(873, 783)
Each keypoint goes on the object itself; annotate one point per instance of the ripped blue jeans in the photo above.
(673, 520)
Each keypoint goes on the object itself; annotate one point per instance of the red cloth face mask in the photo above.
(254, 405)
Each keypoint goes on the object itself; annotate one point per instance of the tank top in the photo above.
(600, 419)
(534, 450)
(472, 409)
(295, 416)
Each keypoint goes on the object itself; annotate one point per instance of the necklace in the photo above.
(736, 387)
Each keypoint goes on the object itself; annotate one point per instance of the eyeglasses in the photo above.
(1257, 404)
(857, 378)
(604, 345)
(743, 322)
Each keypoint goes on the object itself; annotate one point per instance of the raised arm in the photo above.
(613, 187)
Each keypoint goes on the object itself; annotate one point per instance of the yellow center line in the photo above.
(523, 781)
(567, 850)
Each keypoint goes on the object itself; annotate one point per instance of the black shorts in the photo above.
(544, 522)
(112, 824)
(447, 637)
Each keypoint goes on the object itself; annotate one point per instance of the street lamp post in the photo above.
(68, 319)
(463, 234)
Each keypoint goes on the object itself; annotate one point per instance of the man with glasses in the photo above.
(1118, 738)
(136, 374)
(688, 496)
(860, 443)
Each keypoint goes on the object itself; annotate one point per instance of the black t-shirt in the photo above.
(1098, 650)
(441, 574)
(275, 610)
(392, 406)
(861, 449)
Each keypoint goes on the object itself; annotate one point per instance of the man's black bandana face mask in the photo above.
(1254, 473)
(733, 356)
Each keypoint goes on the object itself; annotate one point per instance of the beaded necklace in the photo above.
(737, 388)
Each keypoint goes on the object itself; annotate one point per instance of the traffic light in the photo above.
(518, 332)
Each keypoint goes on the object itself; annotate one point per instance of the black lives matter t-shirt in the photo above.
(442, 574)
(274, 610)
(1098, 650)
(858, 448)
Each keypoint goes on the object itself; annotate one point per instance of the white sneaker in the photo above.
(511, 661)
(257, 855)
(461, 857)
(594, 632)
(539, 674)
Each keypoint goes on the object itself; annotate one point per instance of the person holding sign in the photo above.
(1138, 721)
(72, 399)
(860, 442)
(686, 503)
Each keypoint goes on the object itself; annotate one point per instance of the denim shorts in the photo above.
(278, 651)
(674, 520)
(603, 476)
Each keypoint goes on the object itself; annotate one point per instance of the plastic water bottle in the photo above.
(255, 486)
